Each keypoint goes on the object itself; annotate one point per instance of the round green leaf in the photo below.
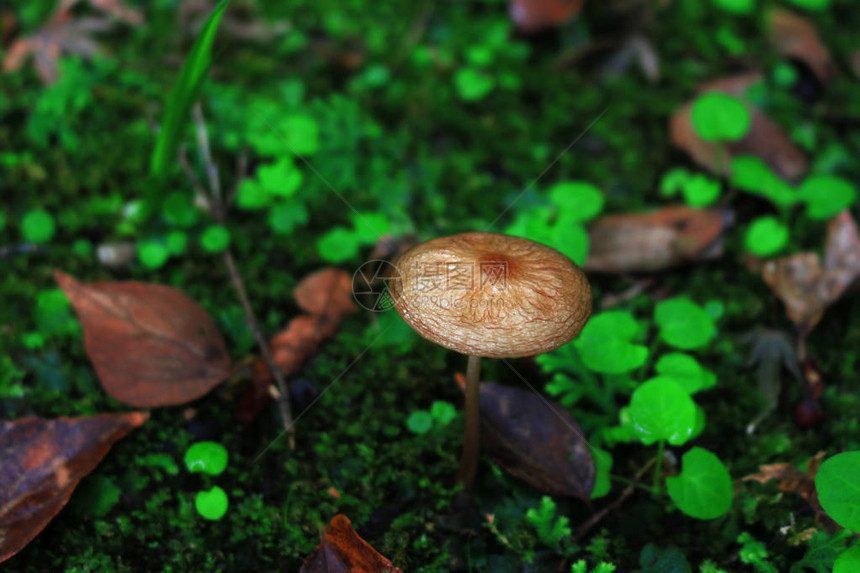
(673, 181)
(839, 489)
(826, 195)
(703, 489)
(37, 226)
(443, 412)
(473, 84)
(338, 245)
(661, 409)
(207, 457)
(686, 371)
(848, 561)
(419, 422)
(701, 191)
(578, 200)
(215, 239)
(684, 324)
(720, 117)
(252, 196)
(766, 236)
(605, 344)
(736, 6)
(571, 239)
(152, 253)
(211, 504)
(284, 217)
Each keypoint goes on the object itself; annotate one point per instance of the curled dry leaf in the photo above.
(341, 550)
(796, 37)
(535, 15)
(766, 139)
(649, 242)
(806, 285)
(66, 34)
(41, 463)
(535, 440)
(151, 345)
(327, 296)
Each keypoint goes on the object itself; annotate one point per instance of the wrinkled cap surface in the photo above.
(485, 294)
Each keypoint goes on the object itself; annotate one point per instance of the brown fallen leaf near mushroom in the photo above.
(64, 34)
(535, 440)
(766, 139)
(531, 16)
(650, 242)
(341, 550)
(150, 345)
(41, 463)
(327, 296)
(795, 36)
(807, 285)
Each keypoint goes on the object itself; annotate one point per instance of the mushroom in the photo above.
(486, 294)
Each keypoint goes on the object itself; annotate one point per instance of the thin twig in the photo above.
(219, 213)
(599, 516)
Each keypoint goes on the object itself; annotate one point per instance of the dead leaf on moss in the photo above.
(534, 15)
(65, 34)
(341, 550)
(795, 36)
(806, 285)
(650, 242)
(150, 345)
(41, 463)
(327, 292)
(535, 440)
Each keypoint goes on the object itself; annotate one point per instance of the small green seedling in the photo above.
(473, 84)
(551, 528)
(753, 175)
(209, 458)
(839, 490)
(152, 253)
(826, 195)
(703, 489)
(606, 343)
(684, 324)
(215, 239)
(662, 410)
(37, 226)
(422, 421)
(719, 117)
(699, 190)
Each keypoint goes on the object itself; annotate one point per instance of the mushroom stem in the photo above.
(472, 432)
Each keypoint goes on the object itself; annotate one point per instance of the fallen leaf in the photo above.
(535, 440)
(341, 550)
(41, 463)
(796, 37)
(65, 34)
(771, 353)
(766, 139)
(151, 345)
(806, 285)
(649, 242)
(326, 292)
(534, 15)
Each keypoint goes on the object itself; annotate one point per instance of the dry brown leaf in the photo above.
(649, 242)
(65, 34)
(150, 345)
(794, 36)
(326, 292)
(535, 15)
(806, 285)
(41, 463)
(341, 550)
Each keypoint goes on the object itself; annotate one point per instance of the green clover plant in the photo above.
(422, 421)
(209, 458)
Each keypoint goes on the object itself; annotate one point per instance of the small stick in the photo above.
(599, 516)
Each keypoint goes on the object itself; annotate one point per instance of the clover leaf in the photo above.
(686, 371)
(578, 200)
(606, 343)
(826, 195)
(766, 236)
(703, 489)
(684, 324)
(839, 490)
(720, 117)
(661, 409)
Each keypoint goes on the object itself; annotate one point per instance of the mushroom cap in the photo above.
(486, 294)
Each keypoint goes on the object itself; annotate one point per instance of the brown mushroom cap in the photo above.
(485, 294)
